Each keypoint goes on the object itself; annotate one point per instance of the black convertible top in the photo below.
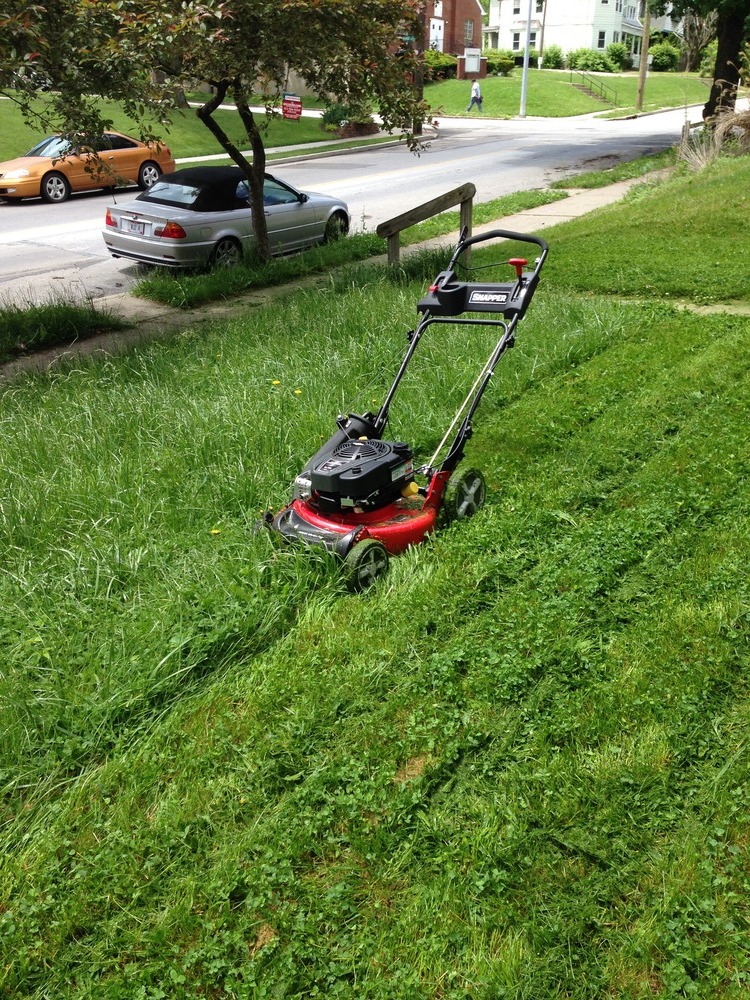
(215, 189)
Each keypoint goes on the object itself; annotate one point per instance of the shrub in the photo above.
(619, 55)
(439, 65)
(553, 57)
(500, 61)
(334, 115)
(349, 120)
(708, 60)
(589, 61)
(664, 57)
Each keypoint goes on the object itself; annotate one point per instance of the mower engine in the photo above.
(360, 475)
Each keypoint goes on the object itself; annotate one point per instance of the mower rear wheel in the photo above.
(365, 562)
(464, 495)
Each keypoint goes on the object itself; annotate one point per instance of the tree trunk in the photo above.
(730, 32)
(698, 31)
(255, 171)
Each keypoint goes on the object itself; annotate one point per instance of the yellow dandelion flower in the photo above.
(276, 381)
(297, 392)
(215, 531)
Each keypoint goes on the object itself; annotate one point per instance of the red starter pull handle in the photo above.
(519, 263)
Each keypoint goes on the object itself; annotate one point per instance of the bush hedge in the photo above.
(664, 57)
(589, 61)
(439, 65)
(553, 57)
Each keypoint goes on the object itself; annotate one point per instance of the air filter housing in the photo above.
(364, 474)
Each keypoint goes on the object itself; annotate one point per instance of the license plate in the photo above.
(136, 227)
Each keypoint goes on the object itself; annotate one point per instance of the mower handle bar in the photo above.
(504, 234)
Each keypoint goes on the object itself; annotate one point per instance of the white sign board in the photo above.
(473, 60)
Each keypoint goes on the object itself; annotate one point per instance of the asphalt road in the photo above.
(46, 250)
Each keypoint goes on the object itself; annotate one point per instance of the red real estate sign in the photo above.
(291, 106)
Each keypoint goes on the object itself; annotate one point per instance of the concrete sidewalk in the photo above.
(150, 320)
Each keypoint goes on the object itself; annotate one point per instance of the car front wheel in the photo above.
(336, 227)
(55, 188)
(148, 175)
(226, 253)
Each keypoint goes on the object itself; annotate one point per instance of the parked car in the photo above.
(200, 216)
(55, 167)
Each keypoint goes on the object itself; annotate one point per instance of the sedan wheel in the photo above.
(336, 227)
(55, 188)
(226, 253)
(148, 175)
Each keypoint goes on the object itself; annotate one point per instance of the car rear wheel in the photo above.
(336, 227)
(55, 187)
(226, 253)
(148, 175)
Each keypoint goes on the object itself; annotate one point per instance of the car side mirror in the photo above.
(303, 198)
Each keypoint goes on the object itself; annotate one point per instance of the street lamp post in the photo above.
(525, 77)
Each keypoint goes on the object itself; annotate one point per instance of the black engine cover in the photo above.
(366, 474)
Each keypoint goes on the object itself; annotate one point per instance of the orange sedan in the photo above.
(55, 167)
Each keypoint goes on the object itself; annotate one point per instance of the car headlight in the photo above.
(15, 175)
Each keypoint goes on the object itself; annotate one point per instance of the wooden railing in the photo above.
(391, 230)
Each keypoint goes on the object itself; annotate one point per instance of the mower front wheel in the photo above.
(464, 495)
(365, 562)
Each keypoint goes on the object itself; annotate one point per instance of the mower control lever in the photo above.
(519, 263)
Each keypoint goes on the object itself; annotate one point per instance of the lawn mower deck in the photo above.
(360, 496)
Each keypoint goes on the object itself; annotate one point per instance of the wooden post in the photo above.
(390, 230)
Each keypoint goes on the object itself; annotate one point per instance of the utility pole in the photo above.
(525, 77)
(540, 46)
(643, 65)
(418, 28)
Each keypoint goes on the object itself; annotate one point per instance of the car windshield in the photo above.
(55, 145)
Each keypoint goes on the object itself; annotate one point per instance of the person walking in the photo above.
(476, 96)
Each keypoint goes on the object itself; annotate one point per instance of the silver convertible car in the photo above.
(200, 216)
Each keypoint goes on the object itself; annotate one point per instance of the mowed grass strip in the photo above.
(667, 239)
(516, 768)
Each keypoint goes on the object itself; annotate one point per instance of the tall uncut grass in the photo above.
(517, 768)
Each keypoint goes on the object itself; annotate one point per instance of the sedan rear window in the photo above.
(169, 193)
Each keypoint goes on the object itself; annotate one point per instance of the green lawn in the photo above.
(518, 768)
(664, 241)
(551, 93)
(187, 135)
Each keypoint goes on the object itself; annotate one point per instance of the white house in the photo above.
(571, 24)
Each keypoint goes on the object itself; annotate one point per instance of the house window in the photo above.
(602, 39)
(532, 39)
(516, 41)
(468, 32)
(615, 37)
(618, 6)
(540, 6)
(605, 1)
(516, 8)
(437, 8)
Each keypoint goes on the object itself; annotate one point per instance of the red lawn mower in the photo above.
(360, 496)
